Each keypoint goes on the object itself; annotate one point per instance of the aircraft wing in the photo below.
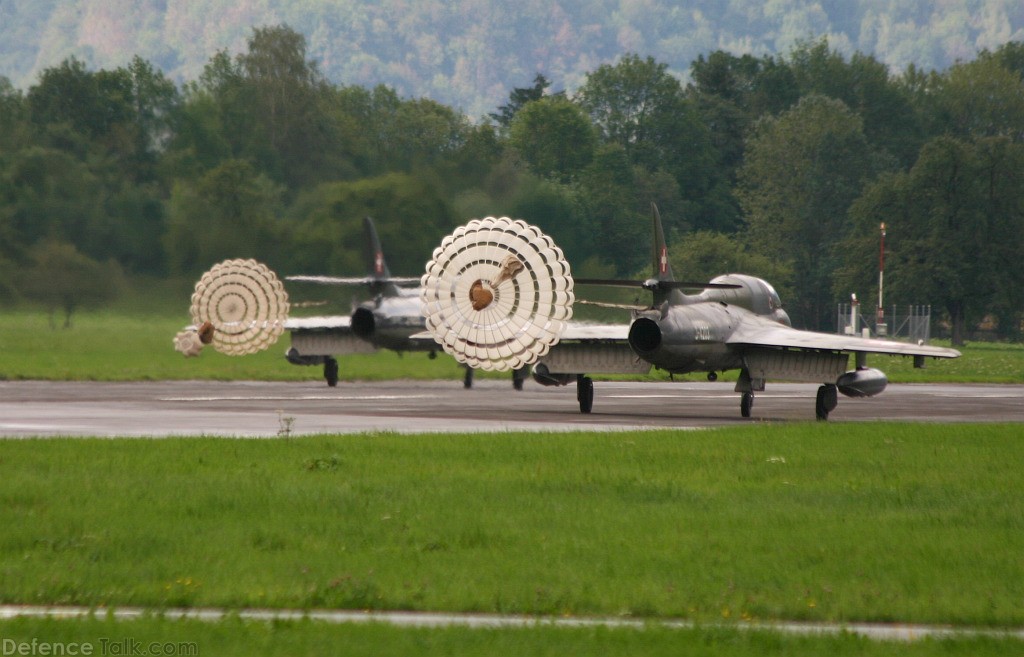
(574, 332)
(586, 348)
(326, 336)
(579, 332)
(766, 333)
(593, 349)
(330, 322)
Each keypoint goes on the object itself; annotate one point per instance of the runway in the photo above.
(266, 409)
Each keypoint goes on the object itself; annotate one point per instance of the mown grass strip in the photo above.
(231, 637)
(876, 522)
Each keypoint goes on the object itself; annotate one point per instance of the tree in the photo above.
(230, 212)
(640, 107)
(554, 208)
(607, 200)
(953, 222)
(866, 87)
(627, 102)
(154, 101)
(757, 86)
(388, 133)
(326, 232)
(62, 278)
(554, 137)
(519, 97)
(703, 254)
(90, 103)
(283, 92)
(14, 118)
(269, 105)
(979, 99)
(49, 193)
(1009, 55)
(802, 172)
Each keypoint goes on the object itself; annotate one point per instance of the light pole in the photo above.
(880, 327)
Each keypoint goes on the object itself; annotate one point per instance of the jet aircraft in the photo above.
(736, 322)
(392, 319)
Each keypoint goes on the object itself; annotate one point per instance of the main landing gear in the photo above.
(826, 401)
(748, 386)
(518, 377)
(331, 371)
(585, 393)
(746, 403)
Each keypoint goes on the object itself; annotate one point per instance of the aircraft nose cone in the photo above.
(645, 336)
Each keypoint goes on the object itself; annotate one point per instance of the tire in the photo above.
(821, 404)
(331, 371)
(585, 393)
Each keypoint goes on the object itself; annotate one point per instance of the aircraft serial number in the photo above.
(701, 332)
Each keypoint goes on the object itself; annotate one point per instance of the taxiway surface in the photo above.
(267, 409)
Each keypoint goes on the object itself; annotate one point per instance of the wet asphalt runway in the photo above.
(262, 409)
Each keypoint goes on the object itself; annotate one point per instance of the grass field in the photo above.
(127, 347)
(882, 522)
(886, 522)
(107, 347)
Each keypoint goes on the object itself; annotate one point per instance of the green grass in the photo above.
(294, 639)
(876, 522)
(108, 346)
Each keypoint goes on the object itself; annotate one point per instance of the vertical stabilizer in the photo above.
(377, 268)
(661, 268)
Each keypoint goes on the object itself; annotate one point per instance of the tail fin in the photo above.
(663, 282)
(660, 267)
(377, 268)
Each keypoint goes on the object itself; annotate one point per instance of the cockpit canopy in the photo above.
(755, 294)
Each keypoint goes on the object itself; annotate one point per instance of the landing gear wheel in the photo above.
(331, 371)
(826, 401)
(467, 380)
(746, 403)
(518, 377)
(585, 393)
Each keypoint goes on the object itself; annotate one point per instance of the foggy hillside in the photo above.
(470, 53)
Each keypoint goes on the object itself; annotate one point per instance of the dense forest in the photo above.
(467, 54)
(780, 166)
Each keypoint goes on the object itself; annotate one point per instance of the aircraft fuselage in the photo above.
(688, 333)
(686, 338)
(389, 323)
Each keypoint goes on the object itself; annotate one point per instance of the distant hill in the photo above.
(470, 53)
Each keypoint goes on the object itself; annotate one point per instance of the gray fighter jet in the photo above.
(392, 319)
(735, 322)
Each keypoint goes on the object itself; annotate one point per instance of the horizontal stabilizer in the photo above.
(363, 280)
(651, 284)
(620, 306)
